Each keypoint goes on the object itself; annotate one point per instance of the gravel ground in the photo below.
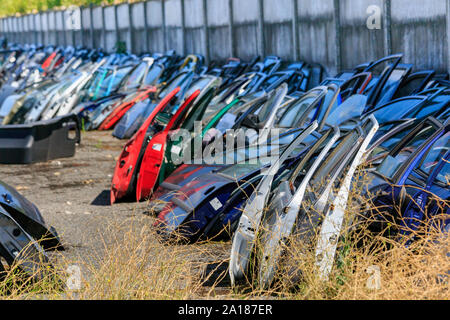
(73, 196)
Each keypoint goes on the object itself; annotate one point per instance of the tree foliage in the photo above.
(11, 7)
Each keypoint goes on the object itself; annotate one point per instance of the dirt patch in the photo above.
(73, 194)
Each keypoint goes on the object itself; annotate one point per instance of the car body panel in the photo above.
(118, 112)
(244, 237)
(153, 156)
(127, 165)
(280, 224)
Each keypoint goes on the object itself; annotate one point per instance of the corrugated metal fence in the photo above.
(335, 33)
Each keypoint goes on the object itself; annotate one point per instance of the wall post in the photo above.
(448, 35)
(147, 41)
(91, 26)
(105, 42)
(131, 28)
(206, 30)
(116, 24)
(261, 35)
(183, 27)
(295, 46)
(387, 27)
(231, 28)
(82, 26)
(163, 12)
(337, 24)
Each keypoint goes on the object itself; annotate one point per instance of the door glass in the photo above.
(444, 175)
(431, 107)
(288, 119)
(153, 74)
(392, 163)
(395, 110)
(435, 155)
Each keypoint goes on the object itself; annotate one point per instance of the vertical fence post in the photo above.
(23, 33)
(91, 26)
(82, 26)
(24, 29)
(147, 41)
(387, 28)
(183, 27)
(13, 32)
(163, 12)
(8, 20)
(231, 28)
(337, 23)
(14, 28)
(11, 29)
(55, 28)
(105, 42)
(448, 35)
(261, 35)
(131, 28)
(63, 26)
(48, 27)
(26, 35)
(35, 34)
(41, 19)
(74, 34)
(205, 30)
(295, 46)
(7, 29)
(116, 24)
(18, 29)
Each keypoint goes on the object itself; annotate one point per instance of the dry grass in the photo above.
(135, 264)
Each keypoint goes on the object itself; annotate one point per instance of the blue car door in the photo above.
(433, 167)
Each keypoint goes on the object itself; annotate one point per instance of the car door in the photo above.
(279, 221)
(429, 198)
(249, 222)
(154, 153)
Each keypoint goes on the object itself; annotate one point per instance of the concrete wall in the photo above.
(331, 32)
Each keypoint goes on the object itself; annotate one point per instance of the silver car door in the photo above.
(279, 224)
(332, 224)
(244, 237)
(268, 125)
(69, 97)
(51, 111)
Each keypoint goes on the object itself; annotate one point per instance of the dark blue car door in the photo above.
(432, 166)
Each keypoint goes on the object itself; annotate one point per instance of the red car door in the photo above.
(118, 112)
(154, 155)
(127, 166)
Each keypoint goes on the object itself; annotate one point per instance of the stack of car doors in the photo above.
(24, 235)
